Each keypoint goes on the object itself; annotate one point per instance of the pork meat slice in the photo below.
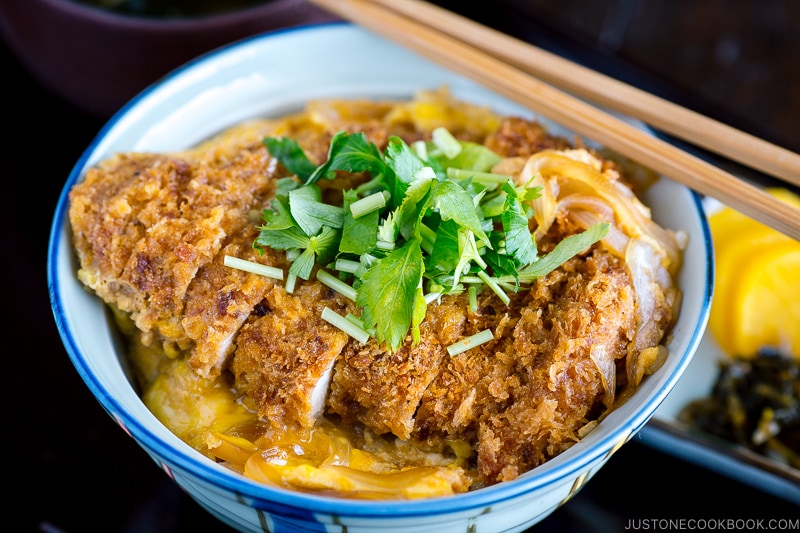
(220, 299)
(144, 225)
(382, 389)
(284, 358)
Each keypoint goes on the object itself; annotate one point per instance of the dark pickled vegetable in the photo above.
(755, 402)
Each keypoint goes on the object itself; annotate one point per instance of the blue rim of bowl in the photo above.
(229, 480)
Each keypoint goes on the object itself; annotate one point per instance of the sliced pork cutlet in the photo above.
(103, 214)
(471, 383)
(145, 224)
(525, 396)
(220, 299)
(382, 390)
(567, 344)
(284, 358)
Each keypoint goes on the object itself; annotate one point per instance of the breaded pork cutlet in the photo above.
(383, 389)
(144, 225)
(578, 320)
(286, 352)
(220, 299)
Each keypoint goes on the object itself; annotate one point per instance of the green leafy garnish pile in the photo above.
(430, 220)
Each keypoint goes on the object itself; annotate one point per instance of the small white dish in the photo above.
(668, 434)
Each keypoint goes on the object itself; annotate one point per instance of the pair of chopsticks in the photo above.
(515, 70)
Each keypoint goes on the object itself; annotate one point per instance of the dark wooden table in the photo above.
(69, 468)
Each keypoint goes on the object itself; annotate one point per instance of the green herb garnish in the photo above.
(429, 221)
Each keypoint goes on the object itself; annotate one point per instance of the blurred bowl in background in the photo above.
(97, 59)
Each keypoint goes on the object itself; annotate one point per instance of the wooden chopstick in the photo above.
(612, 94)
(569, 111)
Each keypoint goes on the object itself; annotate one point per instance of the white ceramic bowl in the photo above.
(277, 73)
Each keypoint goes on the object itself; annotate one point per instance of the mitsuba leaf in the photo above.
(284, 185)
(277, 216)
(282, 239)
(319, 249)
(388, 291)
(500, 262)
(404, 165)
(444, 256)
(387, 230)
(520, 242)
(418, 314)
(290, 155)
(414, 207)
(467, 252)
(303, 265)
(493, 205)
(564, 250)
(325, 245)
(359, 235)
(472, 156)
(310, 213)
(455, 203)
(351, 152)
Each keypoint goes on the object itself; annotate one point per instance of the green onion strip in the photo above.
(472, 341)
(494, 286)
(336, 284)
(446, 142)
(253, 267)
(347, 265)
(368, 204)
(345, 324)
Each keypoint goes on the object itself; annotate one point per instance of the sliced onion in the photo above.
(604, 360)
(654, 289)
(574, 184)
(588, 210)
(546, 205)
(568, 172)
